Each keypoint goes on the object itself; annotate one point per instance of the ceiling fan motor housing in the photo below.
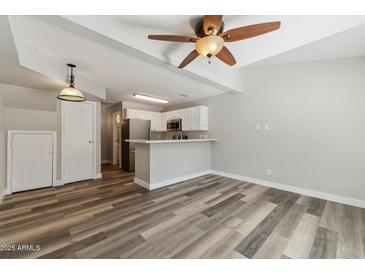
(199, 29)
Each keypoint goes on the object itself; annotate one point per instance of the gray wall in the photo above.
(2, 145)
(316, 115)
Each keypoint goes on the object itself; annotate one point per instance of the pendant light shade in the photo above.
(71, 93)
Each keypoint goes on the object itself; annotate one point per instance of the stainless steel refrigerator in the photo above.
(132, 129)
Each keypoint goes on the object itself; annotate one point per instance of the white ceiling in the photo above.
(11, 72)
(350, 43)
(115, 58)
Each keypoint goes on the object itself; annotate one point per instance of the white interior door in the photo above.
(32, 161)
(78, 139)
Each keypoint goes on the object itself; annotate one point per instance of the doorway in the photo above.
(117, 139)
(78, 141)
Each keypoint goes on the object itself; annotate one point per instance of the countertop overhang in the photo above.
(145, 141)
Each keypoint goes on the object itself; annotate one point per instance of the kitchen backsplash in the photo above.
(168, 135)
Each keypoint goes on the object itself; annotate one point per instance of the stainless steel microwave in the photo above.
(174, 125)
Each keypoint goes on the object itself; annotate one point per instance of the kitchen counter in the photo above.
(160, 163)
(145, 141)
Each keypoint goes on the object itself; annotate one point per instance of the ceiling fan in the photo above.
(210, 38)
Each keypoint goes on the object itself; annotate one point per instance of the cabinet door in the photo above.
(32, 161)
(199, 118)
(175, 114)
(164, 121)
(156, 121)
(203, 118)
(178, 113)
(185, 119)
(195, 118)
(143, 115)
(131, 113)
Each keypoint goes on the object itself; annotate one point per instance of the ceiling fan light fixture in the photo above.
(209, 45)
(71, 93)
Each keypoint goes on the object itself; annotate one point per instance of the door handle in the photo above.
(90, 142)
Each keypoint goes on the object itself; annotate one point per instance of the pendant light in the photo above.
(71, 93)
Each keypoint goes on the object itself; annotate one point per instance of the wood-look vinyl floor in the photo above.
(207, 217)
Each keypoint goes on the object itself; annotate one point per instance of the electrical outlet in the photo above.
(267, 127)
(258, 127)
(268, 171)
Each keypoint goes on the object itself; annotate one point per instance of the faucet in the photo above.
(179, 135)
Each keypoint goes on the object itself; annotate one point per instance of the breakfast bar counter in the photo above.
(160, 163)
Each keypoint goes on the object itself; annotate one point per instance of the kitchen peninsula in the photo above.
(160, 163)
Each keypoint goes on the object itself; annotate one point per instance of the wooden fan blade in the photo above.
(226, 56)
(212, 24)
(249, 31)
(192, 55)
(172, 38)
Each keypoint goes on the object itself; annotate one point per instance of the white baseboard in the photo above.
(155, 185)
(142, 183)
(299, 190)
(2, 195)
(98, 176)
(58, 183)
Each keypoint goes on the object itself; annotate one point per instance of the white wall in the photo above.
(316, 115)
(33, 109)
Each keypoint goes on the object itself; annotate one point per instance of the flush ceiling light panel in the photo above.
(150, 98)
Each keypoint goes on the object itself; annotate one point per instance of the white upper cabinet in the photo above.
(185, 119)
(156, 121)
(154, 117)
(194, 118)
(164, 121)
(131, 113)
(199, 118)
(171, 115)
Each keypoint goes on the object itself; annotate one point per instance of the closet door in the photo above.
(78, 141)
(32, 161)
